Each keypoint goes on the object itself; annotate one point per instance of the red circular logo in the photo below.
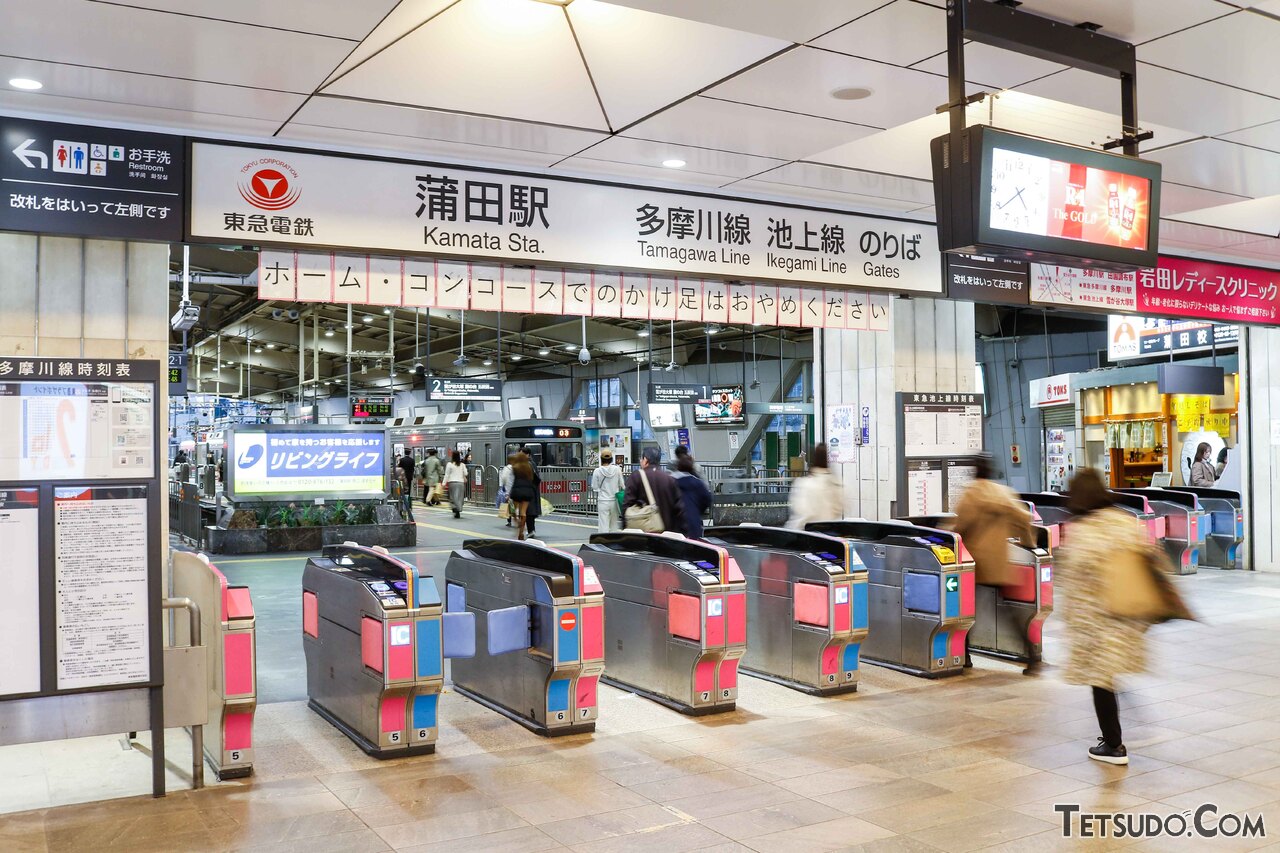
(568, 621)
(269, 189)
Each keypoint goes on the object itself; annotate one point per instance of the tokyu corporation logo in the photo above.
(269, 184)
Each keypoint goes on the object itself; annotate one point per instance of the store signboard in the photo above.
(292, 462)
(1050, 391)
(468, 390)
(261, 195)
(90, 181)
(979, 278)
(1143, 337)
(1183, 288)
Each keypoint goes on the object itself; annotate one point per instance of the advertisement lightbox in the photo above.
(1046, 202)
(665, 415)
(284, 462)
(723, 408)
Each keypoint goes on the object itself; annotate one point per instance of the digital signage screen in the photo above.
(295, 462)
(1018, 197)
(371, 407)
(723, 408)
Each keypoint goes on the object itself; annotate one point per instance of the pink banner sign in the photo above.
(1183, 287)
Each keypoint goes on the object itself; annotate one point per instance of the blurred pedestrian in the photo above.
(535, 503)
(523, 491)
(816, 496)
(455, 480)
(433, 473)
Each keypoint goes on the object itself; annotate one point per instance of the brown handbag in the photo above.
(1138, 587)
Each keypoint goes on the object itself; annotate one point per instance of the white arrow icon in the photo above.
(23, 153)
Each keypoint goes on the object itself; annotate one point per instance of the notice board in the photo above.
(940, 436)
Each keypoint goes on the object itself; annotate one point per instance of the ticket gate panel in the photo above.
(1185, 524)
(540, 617)
(806, 606)
(653, 651)
(1223, 526)
(920, 591)
(374, 639)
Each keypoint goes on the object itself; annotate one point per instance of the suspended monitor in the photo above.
(723, 408)
(1013, 196)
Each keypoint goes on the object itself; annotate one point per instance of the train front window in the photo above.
(535, 449)
(568, 454)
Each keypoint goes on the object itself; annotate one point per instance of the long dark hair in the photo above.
(818, 456)
(456, 458)
(1202, 451)
(1088, 493)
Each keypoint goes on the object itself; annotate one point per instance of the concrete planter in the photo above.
(268, 540)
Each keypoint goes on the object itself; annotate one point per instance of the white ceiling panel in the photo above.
(904, 150)
(991, 67)
(403, 18)
(425, 149)
(1186, 235)
(489, 57)
(1165, 97)
(340, 18)
(793, 21)
(913, 193)
(641, 61)
(133, 116)
(802, 81)
(119, 87)
(416, 123)
(634, 173)
(900, 33)
(117, 37)
(1134, 21)
(1263, 136)
(710, 123)
(1257, 215)
(1223, 166)
(829, 198)
(1239, 50)
(644, 152)
(1176, 198)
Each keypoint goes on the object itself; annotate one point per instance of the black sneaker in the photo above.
(1109, 754)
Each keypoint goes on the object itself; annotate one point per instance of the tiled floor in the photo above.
(975, 762)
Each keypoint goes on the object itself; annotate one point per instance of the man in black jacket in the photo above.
(666, 493)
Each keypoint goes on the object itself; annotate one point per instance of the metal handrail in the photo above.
(197, 732)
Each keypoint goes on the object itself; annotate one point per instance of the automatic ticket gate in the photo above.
(1185, 525)
(1050, 510)
(675, 618)
(375, 638)
(1009, 620)
(1140, 508)
(227, 633)
(921, 594)
(1225, 525)
(540, 621)
(806, 606)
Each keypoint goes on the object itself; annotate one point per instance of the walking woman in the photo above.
(522, 490)
(1103, 646)
(455, 481)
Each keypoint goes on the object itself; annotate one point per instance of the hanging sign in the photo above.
(471, 390)
(90, 181)
(261, 195)
(1142, 337)
(668, 393)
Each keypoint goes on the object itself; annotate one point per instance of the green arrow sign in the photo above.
(953, 583)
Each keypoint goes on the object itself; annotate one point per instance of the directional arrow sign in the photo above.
(953, 583)
(24, 153)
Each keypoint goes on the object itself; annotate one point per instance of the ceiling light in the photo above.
(386, 310)
(257, 349)
(673, 163)
(25, 83)
(571, 347)
(517, 357)
(328, 333)
(643, 333)
(488, 362)
(368, 318)
(544, 351)
(851, 93)
(271, 346)
(713, 329)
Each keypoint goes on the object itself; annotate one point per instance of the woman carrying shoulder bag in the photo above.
(1115, 589)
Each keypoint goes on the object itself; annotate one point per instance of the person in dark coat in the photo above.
(407, 465)
(535, 503)
(695, 495)
(665, 491)
(522, 491)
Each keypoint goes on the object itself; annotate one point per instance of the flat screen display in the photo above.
(371, 407)
(665, 416)
(723, 408)
(1045, 197)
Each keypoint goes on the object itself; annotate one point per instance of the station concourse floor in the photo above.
(967, 763)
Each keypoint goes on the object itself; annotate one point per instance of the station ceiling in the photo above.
(752, 94)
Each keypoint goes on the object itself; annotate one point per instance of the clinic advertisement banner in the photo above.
(1183, 288)
(242, 194)
(298, 462)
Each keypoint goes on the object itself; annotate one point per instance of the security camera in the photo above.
(584, 356)
(723, 345)
(185, 318)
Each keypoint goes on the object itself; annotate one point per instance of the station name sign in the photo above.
(264, 196)
(668, 393)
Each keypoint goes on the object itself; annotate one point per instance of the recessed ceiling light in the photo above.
(25, 83)
(673, 163)
(851, 93)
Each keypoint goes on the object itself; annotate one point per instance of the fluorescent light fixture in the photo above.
(328, 333)
(643, 333)
(673, 163)
(257, 349)
(271, 346)
(25, 83)
(488, 362)
(544, 351)
(571, 347)
(386, 310)
(368, 318)
(517, 357)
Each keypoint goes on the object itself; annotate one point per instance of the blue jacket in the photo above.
(697, 500)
